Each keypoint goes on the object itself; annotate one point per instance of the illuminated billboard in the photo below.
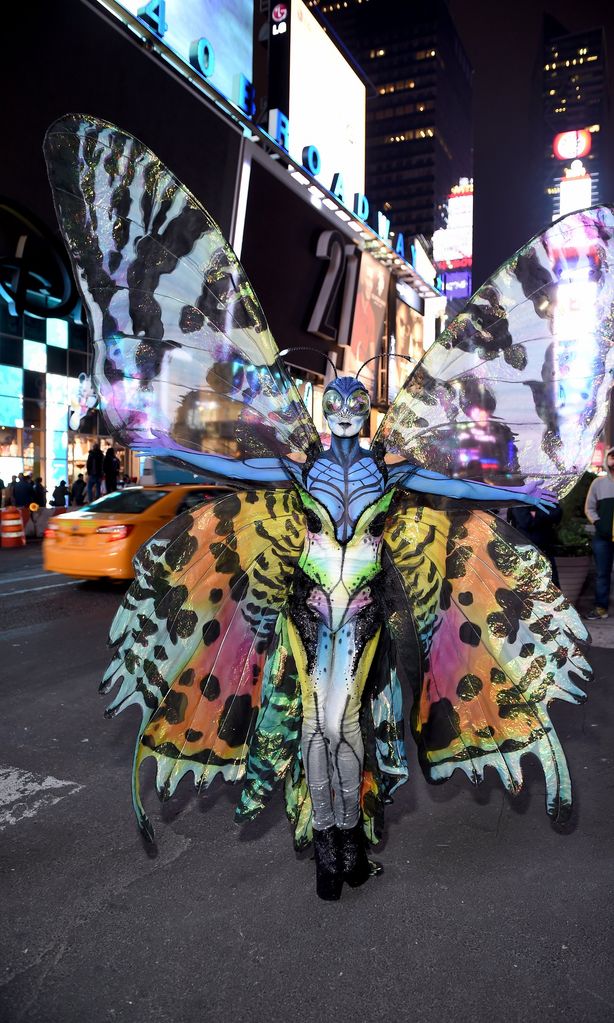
(453, 244)
(212, 37)
(570, 145)
(368, 320)
(457, 283)
(575, 189)
(327, 104)
(407, 341)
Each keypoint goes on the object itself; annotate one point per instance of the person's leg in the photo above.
(352, 655)
(603, 551)
(355, 646)
(315, 674)
(312, 652)
(90, 489)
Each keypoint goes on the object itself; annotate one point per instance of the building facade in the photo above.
(419, 122)
(326, 279)
(575, 118)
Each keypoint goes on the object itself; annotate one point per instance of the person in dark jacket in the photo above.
(59, 495)
(40, 494)
(539, 528)
(110, 466)
(94, 467)
(77, 492)
(599, 510)
(23, 492)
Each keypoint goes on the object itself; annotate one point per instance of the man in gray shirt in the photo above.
(599, 510)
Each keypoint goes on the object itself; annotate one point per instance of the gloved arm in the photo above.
(427, 482)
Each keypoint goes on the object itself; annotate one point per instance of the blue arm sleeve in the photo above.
(426, 482)
(246, 470)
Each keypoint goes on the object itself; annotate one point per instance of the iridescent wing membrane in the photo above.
(184, 359)
(516, 387)
(200, 647)
(499, 642)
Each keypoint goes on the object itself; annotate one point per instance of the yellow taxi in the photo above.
(100, 539)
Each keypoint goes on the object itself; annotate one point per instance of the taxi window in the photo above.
(193, 497)
(132, 501)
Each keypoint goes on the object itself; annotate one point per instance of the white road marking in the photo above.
(23, 794)
(34, 589)
(22, 578)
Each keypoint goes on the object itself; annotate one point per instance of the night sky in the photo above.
(503, 43)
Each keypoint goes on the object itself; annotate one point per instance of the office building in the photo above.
(418, 104)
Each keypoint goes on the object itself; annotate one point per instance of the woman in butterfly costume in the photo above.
(266, 636)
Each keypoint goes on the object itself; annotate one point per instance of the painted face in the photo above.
(346, 413)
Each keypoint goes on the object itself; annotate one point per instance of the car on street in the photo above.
(100, 539)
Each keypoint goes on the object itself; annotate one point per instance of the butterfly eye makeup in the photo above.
(332, 403)
(357, 404)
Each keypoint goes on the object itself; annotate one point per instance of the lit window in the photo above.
(34, 356)
(11, 396)
(57, 333)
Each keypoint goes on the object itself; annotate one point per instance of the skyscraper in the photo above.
(418, 105)
(574, 108)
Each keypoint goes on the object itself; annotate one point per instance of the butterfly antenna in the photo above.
(383, 355)
(307, 348)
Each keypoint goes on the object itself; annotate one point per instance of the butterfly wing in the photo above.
(516, 387)
(199, 642)
(499, 642)
(184, 360)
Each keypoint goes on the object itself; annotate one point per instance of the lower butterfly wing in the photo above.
(516, 388)
(196, 633)
(498, 643)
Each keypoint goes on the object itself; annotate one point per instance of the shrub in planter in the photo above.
(573, 553)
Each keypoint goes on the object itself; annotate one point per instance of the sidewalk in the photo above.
(602, 633)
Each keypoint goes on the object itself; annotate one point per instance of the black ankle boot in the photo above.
(329, 871)
(357, 868)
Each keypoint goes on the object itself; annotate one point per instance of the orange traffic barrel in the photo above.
(11, 528)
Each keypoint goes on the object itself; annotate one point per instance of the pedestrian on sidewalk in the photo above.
(23, 493)
(539, 527)
(9, 496)
(94, 467)
(599, 510)
(111, 469)
(77, 492)
(40, 493)
(60, 495)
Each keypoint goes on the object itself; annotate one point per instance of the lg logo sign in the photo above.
(279, 15)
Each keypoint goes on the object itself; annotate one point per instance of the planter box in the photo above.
(572, 574)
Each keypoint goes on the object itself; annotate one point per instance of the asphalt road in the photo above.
(484, 911)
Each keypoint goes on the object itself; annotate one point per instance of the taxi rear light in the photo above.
(115, 532)
(50, 532)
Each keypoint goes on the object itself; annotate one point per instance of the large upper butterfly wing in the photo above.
(184, 359)
(516, 388)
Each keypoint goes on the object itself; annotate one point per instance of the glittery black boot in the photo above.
(329, 872)
(357, 868)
